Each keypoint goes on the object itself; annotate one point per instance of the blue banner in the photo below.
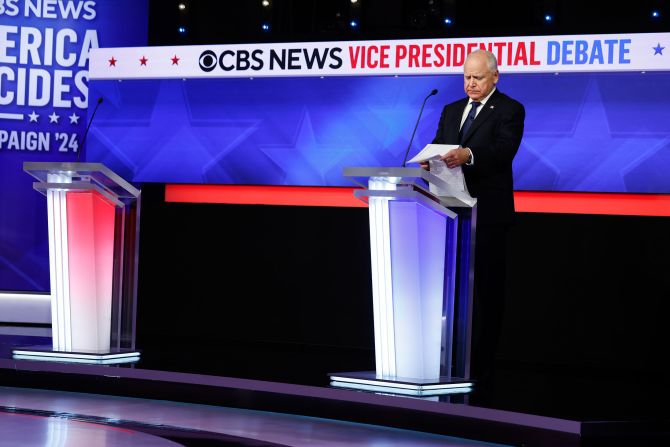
(44, 95)
(595, 132)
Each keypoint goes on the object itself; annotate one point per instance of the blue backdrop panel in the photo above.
(584, 132)
(24, 251)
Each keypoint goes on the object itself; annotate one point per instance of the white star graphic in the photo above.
(74, 118)
(53, 118)
(612, 153)
(306, 159)
(33, 117)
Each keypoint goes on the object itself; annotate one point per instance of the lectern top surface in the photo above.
(403, 175)
(417, 178)
(83, 172)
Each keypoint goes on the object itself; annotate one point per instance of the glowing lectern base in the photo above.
(421, 257)
(48, 354)
(369, 381)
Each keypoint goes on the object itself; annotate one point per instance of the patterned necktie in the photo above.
(469, 120)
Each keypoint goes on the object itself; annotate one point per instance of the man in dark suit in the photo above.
(488, 126)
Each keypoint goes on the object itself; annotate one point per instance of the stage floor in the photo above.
(141, 414)
(268, 387)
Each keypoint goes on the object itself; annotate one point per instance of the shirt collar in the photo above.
(483, 101)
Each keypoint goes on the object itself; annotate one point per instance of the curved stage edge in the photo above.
(455, 418)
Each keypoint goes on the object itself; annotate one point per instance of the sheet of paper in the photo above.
(456, 190)
(453, 177)
(432, 152)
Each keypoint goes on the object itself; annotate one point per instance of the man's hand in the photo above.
(456, 157)
(425, 165)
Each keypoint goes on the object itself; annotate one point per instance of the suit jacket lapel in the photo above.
(455, 125)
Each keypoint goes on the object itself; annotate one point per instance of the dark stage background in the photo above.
(221, 22)
(273, 292)
(283, 293)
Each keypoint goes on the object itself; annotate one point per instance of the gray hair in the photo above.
(491, 61)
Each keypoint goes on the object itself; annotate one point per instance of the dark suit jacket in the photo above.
(494, 139)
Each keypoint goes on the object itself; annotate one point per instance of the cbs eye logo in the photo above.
(229, 60)
(208, 61)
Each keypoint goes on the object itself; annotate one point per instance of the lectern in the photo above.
(93, 221)
(422, 253)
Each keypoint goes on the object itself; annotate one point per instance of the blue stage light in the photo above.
(182, 30)
(548, 18)
(353, 24)
(448, 21)
(655, 14)
(265, 27)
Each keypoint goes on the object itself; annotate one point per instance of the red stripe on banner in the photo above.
(592, 203)
(525, 201)
(263, 195)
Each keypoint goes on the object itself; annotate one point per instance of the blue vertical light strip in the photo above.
(449, 297)
(431, 236)
(464, 292)
(418, 240)
(407, 290)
